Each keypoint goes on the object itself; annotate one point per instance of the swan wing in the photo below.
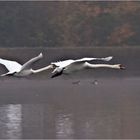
(75, 66)
(12, 66)
(80, 64)
(29, 63)
(91, 59)
(8, 73)
(63, 63)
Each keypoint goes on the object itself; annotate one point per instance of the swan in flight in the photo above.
(16, 69)
(69, 66)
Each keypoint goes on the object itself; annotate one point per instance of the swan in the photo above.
(68, 66)
(16, 69)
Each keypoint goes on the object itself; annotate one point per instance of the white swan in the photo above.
(16, 69)
(69, 66)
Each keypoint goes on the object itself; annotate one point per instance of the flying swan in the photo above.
(68, 66)
(16, 69)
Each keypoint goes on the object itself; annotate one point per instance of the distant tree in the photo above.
(69, 23)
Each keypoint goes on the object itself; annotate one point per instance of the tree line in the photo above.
(69, 23)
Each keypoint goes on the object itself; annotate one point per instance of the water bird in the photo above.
(95, 82)
(76, 82)
(69, 66)
(16, 69)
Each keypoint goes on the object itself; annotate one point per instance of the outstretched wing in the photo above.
(91, 59)
(79, 64)
(29, 63)
(75, 66)
(63, 63)
(12, 66)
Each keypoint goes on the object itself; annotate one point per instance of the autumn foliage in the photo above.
(69, 23)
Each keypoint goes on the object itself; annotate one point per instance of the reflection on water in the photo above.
(64, 126)
(45, 111)
(48, 121)
(70, 120)
(10, 121)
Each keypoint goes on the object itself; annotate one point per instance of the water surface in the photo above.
(63, 110)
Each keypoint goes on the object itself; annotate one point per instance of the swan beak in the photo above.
(122, 67)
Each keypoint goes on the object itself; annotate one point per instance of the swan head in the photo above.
(118, 66)
(121, 67)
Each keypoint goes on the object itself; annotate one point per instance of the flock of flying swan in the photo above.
(58, 68)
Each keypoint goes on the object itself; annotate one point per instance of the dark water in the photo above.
(65, 109)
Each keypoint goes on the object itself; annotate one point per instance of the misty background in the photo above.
(69, 23)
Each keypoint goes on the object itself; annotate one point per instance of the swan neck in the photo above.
(102, 66)
(42, 69)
